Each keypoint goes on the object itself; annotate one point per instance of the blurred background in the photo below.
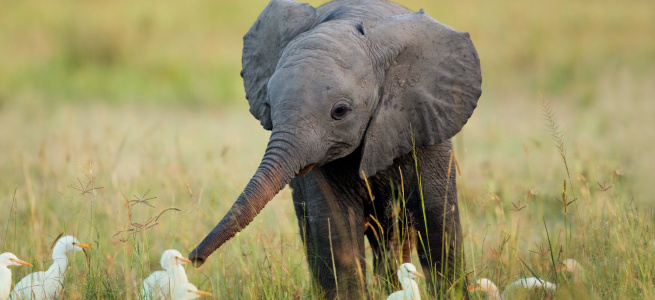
(189, 52)
(138, 96)
(593, 61)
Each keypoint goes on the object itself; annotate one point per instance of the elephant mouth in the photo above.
(305, 170)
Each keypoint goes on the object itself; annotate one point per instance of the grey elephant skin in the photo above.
(358, 94)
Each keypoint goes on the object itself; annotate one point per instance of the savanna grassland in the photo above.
(124, 123)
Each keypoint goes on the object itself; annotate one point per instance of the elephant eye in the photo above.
(340, 109)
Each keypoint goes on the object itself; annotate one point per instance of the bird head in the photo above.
(483, 285)
(408, 270)
(69, 244)
(570, 265)
(9, 259)
(172, 257)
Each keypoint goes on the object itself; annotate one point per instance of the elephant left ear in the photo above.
(432, 82)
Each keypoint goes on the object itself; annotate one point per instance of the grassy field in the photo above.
(106, 104)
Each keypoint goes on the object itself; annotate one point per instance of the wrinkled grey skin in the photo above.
(348, 90)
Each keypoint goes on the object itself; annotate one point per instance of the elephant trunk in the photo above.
(279, 165)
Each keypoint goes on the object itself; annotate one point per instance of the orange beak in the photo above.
(472, 287)
(20, 262)
(418, 274)
(201, 293)
(83, 246)
(182, 259)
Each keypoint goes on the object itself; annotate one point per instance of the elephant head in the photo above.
(328, 84)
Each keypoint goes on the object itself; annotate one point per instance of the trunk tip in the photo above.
(196, 260)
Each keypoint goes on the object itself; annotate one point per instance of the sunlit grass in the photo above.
(182, 134)
(199, 160)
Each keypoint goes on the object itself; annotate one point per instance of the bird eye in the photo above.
(340, 110)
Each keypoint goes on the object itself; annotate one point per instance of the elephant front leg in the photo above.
(333, 238)
(336, 256)
(441, 250)
(439, 242)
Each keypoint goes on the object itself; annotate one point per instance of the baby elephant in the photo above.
(361, 98)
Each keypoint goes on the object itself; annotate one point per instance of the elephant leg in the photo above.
(435, 217)
(333, 236)
(390, 238)
(440, 248)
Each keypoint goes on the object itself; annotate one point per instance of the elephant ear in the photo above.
(279, 23)
(430, 88)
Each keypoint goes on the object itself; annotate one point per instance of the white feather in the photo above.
(161, 284)
(410, 289)
(188, 291)
(7, 259)
(48, 284)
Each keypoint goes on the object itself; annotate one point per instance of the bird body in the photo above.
(188, 291)
(8, 259)
(49, 284)
(487, 286)
(530, 283)
(410, 289)
(162, 284)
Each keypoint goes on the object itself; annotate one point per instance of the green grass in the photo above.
(190, 51)
(147, 98)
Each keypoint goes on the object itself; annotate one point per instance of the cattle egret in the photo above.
(161, 284)
(49, 284)
(572, 266)
(531, 283)
(410, 288)
(188, 291)
(487, 286)
(8, 259)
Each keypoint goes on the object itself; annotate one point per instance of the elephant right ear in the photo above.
(276, 26)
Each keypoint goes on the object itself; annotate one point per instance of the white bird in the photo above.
(8, 259)
(572, 266)
(410, 290)
(531, 283)
(161, 284)
(49, 284)
(188, 291)
(487, 286)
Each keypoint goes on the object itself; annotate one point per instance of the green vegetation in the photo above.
(146, 99)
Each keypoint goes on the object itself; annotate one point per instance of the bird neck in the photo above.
(178, 274)
(5, 282)
(495, 295)
(59, 263)
(5, 274)
(410, 287)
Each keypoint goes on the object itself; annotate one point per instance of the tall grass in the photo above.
(72, 160)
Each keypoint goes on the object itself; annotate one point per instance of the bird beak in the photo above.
(20, 262)
(201, 293)
(559, 268)
(186, 260)
(83, 246)
(418, 274)
(472, 287)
